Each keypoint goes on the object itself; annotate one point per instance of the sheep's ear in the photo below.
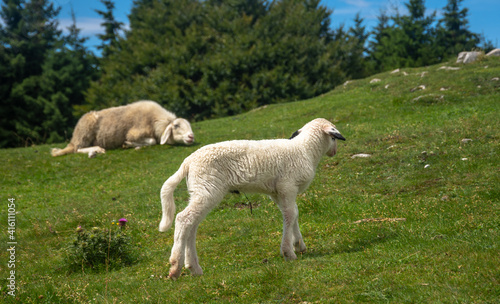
(295, 134)
(166, 134)
(334, 133)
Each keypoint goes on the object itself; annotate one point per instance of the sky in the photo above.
(482, 15)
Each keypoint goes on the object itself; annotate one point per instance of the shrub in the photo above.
(100, 249)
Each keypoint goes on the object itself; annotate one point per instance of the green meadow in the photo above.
(418, 221)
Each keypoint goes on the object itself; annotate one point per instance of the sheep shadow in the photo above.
(351, 243)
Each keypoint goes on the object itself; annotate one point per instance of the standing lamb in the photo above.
(142, 123)
(281, 168)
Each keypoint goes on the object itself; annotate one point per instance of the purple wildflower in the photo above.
(122, 222)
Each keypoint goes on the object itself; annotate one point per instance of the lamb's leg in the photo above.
(290, 213)
(182, 227)
(191, 259)
(186, 225)
(298, 242)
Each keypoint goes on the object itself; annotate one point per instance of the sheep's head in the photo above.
(332, 132)
(328, 131)
(179, 131)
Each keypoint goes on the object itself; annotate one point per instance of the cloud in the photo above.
(358, 4)
(88, 26)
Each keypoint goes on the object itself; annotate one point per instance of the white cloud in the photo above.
(359, 4)
(88, 26)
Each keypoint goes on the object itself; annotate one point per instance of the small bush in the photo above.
(100, 249)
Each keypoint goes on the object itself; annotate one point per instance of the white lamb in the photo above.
(281, 168)
(142, 123)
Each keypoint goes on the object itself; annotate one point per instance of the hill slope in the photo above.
(433, 137)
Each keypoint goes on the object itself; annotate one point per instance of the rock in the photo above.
(375, 80)
(466, 140)
(426, 166)
(449, 68)
(361, 155)
(420, 87)
(468, 57)
(395, 71)
(495, 52)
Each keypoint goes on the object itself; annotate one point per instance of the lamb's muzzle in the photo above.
(281, 168)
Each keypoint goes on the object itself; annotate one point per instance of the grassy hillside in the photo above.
(421, 169)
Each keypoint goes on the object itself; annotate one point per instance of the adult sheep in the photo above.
(281, 168)
(142, 123)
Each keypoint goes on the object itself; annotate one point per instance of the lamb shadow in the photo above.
(352, 244)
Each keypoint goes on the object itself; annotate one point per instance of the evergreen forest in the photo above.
(202, 59)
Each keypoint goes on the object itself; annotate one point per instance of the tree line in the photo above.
(202, 59)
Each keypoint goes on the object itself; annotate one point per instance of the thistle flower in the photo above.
(122, 222)
(79, 229)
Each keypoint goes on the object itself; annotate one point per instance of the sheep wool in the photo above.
(280, 168)
(142, 123)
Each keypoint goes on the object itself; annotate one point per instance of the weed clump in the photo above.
(100, 249)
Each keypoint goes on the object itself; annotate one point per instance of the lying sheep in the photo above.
(142, 123)
(280, 168)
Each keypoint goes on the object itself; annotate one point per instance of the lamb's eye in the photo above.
(176, 126)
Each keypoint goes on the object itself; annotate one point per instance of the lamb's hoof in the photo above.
(174, 274)
(195, 270)
(300, 247)
(289, 256)
(163, 227)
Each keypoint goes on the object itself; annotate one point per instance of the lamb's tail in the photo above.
(70, 148)
(167, 197)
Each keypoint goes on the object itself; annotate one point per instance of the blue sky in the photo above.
(482, 16)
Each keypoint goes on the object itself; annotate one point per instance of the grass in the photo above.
(446, 251)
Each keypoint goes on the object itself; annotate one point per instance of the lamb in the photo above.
(142, 123)
(280, 168)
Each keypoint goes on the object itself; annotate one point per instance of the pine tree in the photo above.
(30, 33)
(380, 48)
(416, 39)
(41, 77)
(111, 29)
(357, 66)
(453, 34)
(211, 58)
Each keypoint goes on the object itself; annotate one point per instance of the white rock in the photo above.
(362, 155)
(449, 68)
(495, 52)
(468, 57)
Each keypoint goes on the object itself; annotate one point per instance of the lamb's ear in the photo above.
(166, 134)
(334, 133)
(295, 134)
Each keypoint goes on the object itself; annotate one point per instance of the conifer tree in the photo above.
(41, 77)
(211, 58)
(357, 66)
(111, 29)
(453, 34)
